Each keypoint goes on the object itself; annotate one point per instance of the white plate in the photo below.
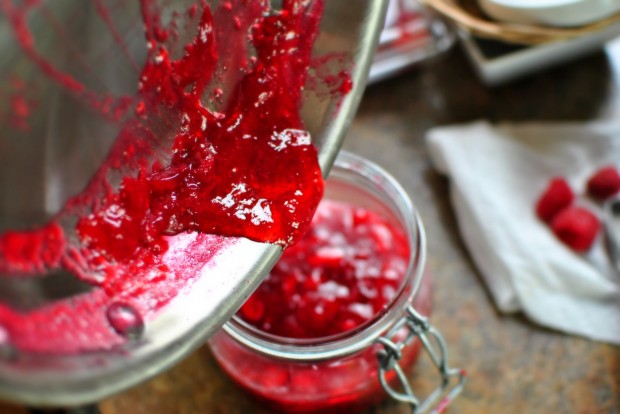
(561, 13)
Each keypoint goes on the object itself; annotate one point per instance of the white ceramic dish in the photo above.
(560, 13)
(514, 64)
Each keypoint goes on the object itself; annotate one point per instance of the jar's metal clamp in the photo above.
(418, 327)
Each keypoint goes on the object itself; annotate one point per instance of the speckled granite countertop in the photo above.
(514, 366)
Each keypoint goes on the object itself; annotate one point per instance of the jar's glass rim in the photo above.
(356, 340)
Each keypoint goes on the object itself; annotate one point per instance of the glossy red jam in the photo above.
(337, 280)
(344, 272)
(211, 143)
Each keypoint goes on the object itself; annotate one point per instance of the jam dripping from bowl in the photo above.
(196, 163)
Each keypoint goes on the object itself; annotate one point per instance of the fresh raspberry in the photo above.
(576, 227)
(557, 196)
(604, 183)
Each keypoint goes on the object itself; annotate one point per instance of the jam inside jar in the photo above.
(306, 340)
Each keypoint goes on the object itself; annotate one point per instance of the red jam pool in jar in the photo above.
(305, 340)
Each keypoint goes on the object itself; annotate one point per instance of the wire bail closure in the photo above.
(419, 327)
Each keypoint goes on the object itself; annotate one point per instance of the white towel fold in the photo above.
(497, 174)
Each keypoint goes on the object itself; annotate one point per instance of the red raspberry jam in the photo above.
(349, 278)
(344, 271)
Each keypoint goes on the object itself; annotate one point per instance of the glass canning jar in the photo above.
(354, 369)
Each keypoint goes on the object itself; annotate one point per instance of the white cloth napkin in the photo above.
(496, 175)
